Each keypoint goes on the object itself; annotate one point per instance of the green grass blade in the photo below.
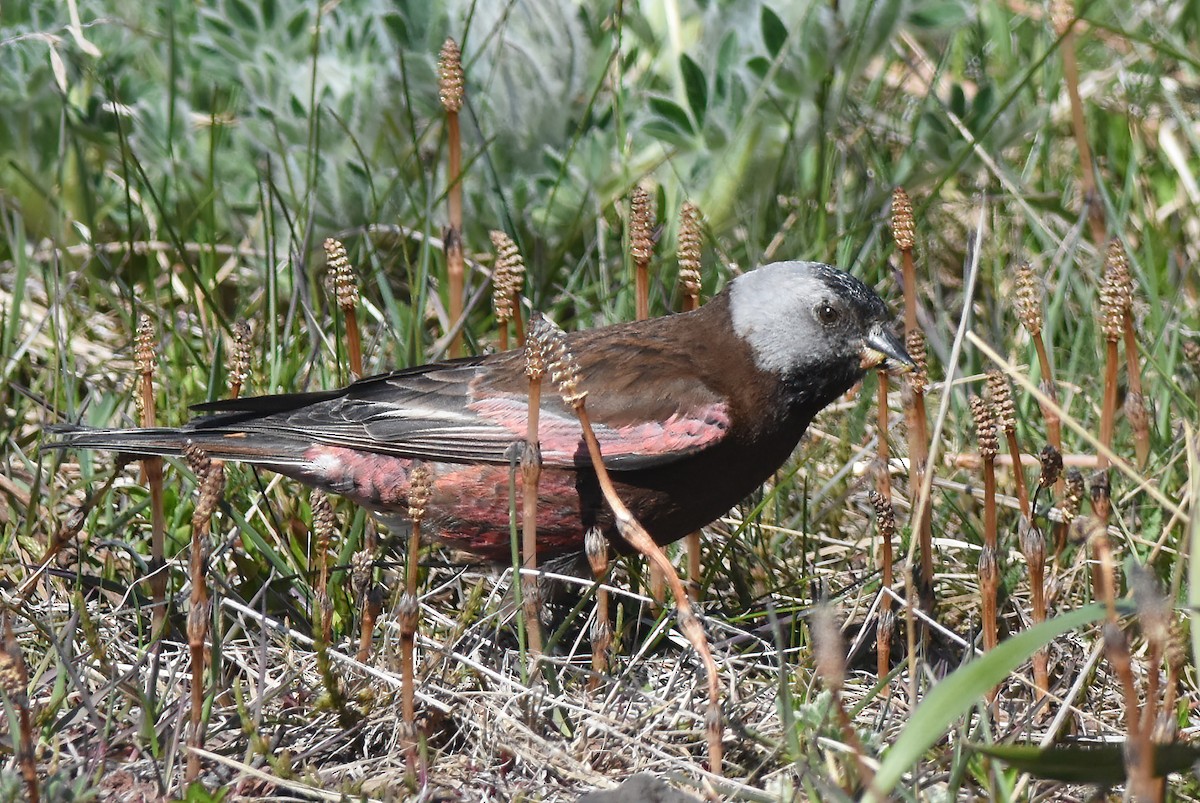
(961, 690)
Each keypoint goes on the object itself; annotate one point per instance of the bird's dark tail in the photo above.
(217, 444)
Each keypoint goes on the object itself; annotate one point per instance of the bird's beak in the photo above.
(881, 347)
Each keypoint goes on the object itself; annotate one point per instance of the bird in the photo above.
(693, 411)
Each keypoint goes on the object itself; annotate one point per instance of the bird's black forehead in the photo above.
(846, 286)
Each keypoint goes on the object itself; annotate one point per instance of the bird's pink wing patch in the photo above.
(637, 444)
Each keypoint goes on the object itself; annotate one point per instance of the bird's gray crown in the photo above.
(798, 314)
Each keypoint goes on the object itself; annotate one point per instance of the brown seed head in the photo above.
(361, 566)
(197, 460)
(1073, 501)
(324, 521)
(344, 284)
(985, 428)
(508, 275)
(538, 345)
(885, 515)
(641, 226)
(239, 360)
(688, 248)
(450, 77)
(904, 227)
(1002, 402)
(145, 345)
(564, 370)
(914, 343)
(420, 489)
(1116, 292)
(1052, 466)
(1027, 299)
(210, 491)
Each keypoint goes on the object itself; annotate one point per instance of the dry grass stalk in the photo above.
(1114, 302)
(564, 371)
(1138, 752)
(596, 547)
(152, 468)
(14, 685)
(508, 277)
(536, 351)
(1135, 397)
(989, 575)
(1070, 503)
(1154, 617)
(904, 233)
(210, 476)
(1005, 415)
(885, 521)
(1029, 311)
(688, 254)
(452, 92)
(239, 360)
(345, 285)
(1176, 660)
(829, 657)
(420, 488)
(1033, 547)
(368, 593)
(324, 525)
(641, 249)
(1062, 14)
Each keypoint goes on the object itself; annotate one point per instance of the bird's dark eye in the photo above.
(827, 313)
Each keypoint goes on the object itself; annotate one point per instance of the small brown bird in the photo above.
(693, 411)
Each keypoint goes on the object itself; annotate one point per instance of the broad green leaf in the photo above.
(956, 694)
(759, 66)
(696, 86)
(773, 31)
(672, 113)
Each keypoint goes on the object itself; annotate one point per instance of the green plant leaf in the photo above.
(773, 31)
(1096, 763)
(672, 113)
(759, 66)
(962, 689)
(696, 86)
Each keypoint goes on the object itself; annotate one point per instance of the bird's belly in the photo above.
(469, 506)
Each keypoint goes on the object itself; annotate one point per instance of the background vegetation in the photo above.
(186, 161)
